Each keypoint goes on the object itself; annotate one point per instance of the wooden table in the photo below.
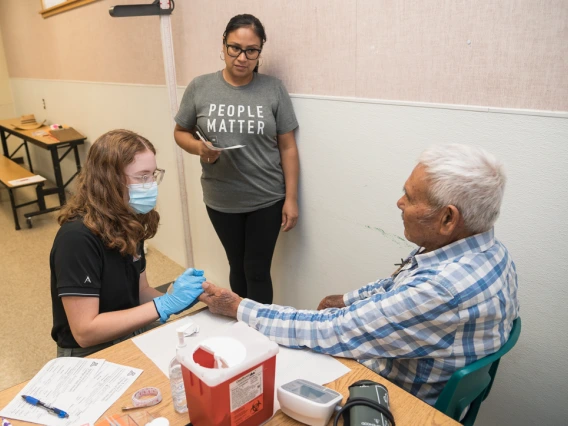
(406, 408)
(7, 129)
(10, 171)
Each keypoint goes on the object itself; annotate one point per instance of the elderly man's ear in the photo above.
(451, 221)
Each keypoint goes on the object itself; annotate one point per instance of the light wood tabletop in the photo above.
(43, 141)
(407, 409)
(12, 171)
(68, 145)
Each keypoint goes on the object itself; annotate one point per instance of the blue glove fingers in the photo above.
(193, 272)
(189, 293)
(189, 274)
(193, 282)
(187, 280)
(186, 289)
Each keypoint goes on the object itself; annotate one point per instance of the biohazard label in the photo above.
(246, 396)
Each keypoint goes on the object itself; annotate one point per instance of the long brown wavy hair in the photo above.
(101, 193)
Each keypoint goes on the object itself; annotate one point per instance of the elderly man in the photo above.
(451, 302)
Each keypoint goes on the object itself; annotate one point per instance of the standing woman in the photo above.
(250, 193)
(99, 290)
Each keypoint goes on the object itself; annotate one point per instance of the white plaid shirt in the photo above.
(443, 310)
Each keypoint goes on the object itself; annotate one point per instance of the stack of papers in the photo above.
(84, 388)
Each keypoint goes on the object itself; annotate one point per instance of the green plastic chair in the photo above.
(470, 385)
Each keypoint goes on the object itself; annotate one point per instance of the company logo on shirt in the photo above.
(88, 280)
(235, 119)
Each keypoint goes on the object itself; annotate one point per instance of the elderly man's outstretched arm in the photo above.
(414, 321)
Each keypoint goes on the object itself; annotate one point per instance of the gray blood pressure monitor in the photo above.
(307, 402)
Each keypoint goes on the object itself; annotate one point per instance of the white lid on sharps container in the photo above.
(235, 349)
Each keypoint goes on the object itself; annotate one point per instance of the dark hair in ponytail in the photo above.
(246, 20)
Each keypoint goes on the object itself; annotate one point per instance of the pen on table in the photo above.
(59, 413)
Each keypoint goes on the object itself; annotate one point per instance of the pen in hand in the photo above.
(59, 413)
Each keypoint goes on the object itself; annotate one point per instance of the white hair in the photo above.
(468, 178)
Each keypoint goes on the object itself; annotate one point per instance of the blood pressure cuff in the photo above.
(368, 401)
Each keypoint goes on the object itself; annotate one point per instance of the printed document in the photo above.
(84, 388)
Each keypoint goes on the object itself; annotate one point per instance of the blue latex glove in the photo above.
(186, 289)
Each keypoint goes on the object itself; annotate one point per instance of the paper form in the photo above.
(230, 147)
(216, 148)
(160, 346)
(84, 388)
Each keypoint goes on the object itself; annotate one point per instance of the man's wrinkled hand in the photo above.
(333, 301)
(220, 300)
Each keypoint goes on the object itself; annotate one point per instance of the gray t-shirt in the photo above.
(250, 178)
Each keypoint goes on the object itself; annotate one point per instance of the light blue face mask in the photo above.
(142, 200)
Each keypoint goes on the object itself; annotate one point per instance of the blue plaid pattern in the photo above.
(442, 310)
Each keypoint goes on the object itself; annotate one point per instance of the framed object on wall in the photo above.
(53, 7)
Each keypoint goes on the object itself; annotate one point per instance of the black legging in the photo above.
(249, 240)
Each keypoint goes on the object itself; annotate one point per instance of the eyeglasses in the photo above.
(235, 52)
(148, 180)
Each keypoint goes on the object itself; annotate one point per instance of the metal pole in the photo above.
(164, 9)
(171, 84)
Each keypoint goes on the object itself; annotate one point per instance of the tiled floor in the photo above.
(25, 322)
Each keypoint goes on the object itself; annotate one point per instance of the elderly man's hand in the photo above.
(333, 301)
(220, 300)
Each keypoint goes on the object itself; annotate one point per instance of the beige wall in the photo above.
(6, 103)
(502, 54)
(82, 44)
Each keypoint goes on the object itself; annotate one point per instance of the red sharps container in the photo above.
(229, 377)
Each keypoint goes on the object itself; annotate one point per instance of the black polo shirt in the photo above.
(81, 265)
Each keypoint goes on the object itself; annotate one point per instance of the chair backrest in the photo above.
(470, 385)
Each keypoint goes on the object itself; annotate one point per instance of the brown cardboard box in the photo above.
(66, 135)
